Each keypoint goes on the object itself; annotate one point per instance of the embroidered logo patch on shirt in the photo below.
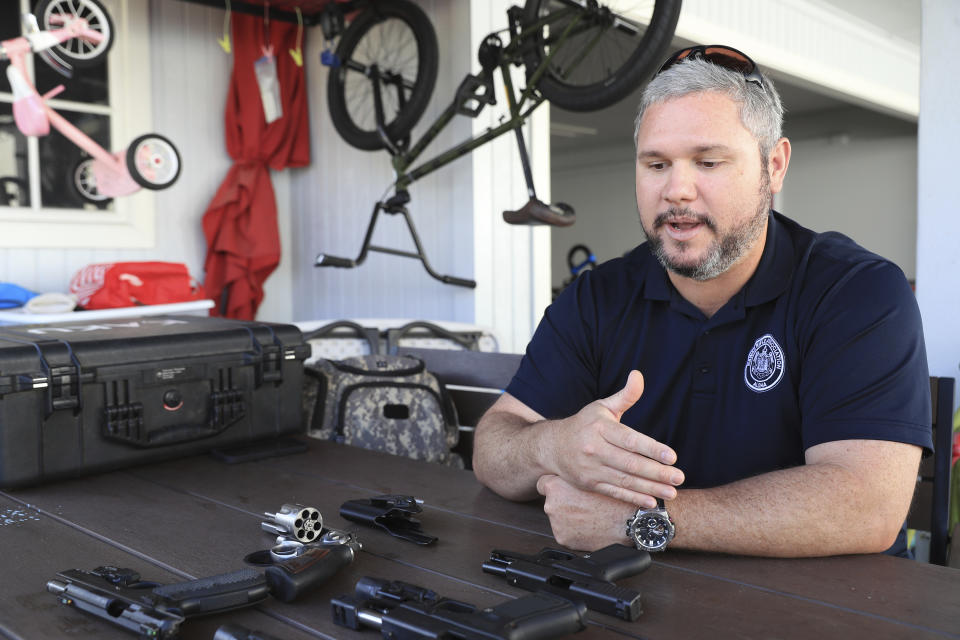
(764, 367)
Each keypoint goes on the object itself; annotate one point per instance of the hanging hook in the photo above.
(224, 42)
(297, 54)
(266, 47)
(266, 22)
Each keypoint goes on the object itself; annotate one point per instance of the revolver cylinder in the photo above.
(296, 521)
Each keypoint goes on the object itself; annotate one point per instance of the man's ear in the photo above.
(777, 164)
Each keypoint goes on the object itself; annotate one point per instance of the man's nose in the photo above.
(681, 185)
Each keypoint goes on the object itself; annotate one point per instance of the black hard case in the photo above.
(76, 398)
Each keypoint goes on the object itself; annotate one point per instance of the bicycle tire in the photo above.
(77, 53)
(640, 56)
(349, 94)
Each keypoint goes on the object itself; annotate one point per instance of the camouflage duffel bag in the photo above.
(386, 403)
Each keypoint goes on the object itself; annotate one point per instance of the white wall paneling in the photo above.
(938, 260)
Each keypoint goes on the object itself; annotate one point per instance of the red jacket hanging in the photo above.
(240, 224)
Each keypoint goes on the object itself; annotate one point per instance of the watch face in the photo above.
(652, 531)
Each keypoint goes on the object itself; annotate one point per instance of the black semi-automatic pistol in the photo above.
(403, 611)
(588, 578)
(150, 609)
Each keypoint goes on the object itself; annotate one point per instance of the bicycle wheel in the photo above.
(606, 56)
(77, 51)
(153, 161)
(399, 39)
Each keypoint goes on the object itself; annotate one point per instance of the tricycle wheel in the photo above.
(153, 162)
(51, 14)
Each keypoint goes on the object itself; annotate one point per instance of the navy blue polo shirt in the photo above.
(823, 343)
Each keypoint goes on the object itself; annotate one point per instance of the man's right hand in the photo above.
(593, 451)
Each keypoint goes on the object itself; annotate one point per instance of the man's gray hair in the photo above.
(760, 109)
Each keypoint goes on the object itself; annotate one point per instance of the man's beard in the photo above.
(725, 251)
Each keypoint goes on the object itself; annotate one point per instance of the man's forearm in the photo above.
(851, 497)
(811, 510)
(505, 455)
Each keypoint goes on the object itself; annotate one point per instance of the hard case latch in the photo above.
(64, 391)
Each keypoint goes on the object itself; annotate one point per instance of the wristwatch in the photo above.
(651, 529)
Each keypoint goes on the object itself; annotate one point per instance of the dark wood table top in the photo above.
(199, 517)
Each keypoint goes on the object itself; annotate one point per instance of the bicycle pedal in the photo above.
(473, 94)
(536, 212)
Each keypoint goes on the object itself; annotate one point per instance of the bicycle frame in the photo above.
(512, 54)
(34, 116)
(493, 55)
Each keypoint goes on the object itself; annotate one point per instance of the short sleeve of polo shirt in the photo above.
(864, 369)
(558, 374)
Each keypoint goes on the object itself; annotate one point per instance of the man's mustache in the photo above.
(683, 215)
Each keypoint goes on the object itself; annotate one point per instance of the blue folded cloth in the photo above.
(12, 295)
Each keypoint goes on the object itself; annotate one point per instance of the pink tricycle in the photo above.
(78, 33)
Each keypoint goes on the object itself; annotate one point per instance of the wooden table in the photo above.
(198, 517)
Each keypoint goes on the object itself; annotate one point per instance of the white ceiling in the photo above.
(899, 18)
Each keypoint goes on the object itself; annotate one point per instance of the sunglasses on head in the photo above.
(720, 55)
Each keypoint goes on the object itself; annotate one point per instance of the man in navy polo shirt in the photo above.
(737, 383)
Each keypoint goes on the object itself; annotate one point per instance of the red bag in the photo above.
(128, 284)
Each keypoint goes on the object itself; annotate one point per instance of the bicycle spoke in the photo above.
(595, 52)
(391, 46)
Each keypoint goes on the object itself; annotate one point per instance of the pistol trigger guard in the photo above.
(392, 513)
(259, 558)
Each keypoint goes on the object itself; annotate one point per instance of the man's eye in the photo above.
(657, 166)
(709, 164)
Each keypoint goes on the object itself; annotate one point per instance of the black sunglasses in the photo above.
(720, 55)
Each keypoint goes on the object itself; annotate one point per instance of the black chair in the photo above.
(931, 503)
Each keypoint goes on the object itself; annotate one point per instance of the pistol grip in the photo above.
(619, 561)
(287, 580)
